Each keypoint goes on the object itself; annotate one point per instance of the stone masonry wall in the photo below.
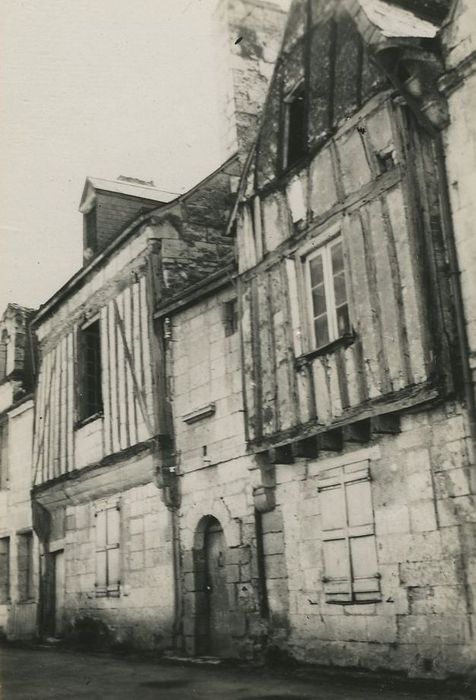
(425, 527)
(142, 615)
(204, 365)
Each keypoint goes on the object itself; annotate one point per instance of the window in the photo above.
(295, 127)
(329, 309)
(4, 475)
(25, 566)
(230, 316)
(4, 570)
(90, 370)
(3, 354)
(107, 551)
(348, 534)
(90, 230)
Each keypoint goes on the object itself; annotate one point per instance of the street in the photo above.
(46, 674)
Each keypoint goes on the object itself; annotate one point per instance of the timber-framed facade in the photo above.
(254, 404)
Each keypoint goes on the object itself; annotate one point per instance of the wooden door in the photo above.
(59, 592)
(219, 638)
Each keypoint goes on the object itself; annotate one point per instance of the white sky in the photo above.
(102, 88)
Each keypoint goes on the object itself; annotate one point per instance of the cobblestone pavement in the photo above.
(46, 674)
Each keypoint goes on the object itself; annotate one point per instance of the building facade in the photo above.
(354, 357)
(105, 502)
(254, 408)
(18, 544)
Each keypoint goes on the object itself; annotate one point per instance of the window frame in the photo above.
(108, 590)
(322, 247)
(87, 411)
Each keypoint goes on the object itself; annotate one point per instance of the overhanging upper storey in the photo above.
(346, 306)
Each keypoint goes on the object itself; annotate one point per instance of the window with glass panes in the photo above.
(329, 308)
(108, 551)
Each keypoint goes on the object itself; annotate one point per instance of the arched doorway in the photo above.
(214, 636)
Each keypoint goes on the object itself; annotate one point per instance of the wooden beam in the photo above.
(330, 441)
(281, 455)
(307, 448)
(385, 424)
(357, 432)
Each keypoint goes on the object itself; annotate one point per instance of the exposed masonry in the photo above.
(239, 461)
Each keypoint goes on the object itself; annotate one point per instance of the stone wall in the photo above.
(424, 531)
(141, 615)
(204, 364)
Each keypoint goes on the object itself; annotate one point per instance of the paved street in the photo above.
(46, 674)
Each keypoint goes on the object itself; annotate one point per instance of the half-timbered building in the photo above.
(355, 360)
(262, 442)
(104, 492)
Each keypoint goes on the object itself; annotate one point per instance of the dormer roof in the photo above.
(128, 187)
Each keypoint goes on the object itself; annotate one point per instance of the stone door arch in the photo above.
(211, 622)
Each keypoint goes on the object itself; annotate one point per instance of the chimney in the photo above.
(248, 38)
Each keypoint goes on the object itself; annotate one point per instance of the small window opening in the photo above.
(4, 475)
(386, 161)
(295, 136)
(230, 313)
(90, 230)
(90, 368)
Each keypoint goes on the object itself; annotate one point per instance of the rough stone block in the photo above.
(423, 516)
(232, 573)
(273, 543)
(275, 565)
(445, 572)
(272, 522)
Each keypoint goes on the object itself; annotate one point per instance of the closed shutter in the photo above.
(107, 552)
(348, 535)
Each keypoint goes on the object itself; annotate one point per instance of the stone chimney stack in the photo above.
(248, 39)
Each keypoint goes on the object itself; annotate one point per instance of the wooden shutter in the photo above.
(101, 554)
(113, 538)
(348, 534)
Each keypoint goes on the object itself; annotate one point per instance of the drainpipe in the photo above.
(263, 590)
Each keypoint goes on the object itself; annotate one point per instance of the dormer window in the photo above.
(90, 232)
(295, 126)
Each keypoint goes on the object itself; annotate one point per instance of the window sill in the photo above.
(369, 601)
(343, 342)
(90, 419)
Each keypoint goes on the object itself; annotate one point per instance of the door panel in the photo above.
(220, 641)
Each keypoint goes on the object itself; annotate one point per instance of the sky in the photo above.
(101, 88)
